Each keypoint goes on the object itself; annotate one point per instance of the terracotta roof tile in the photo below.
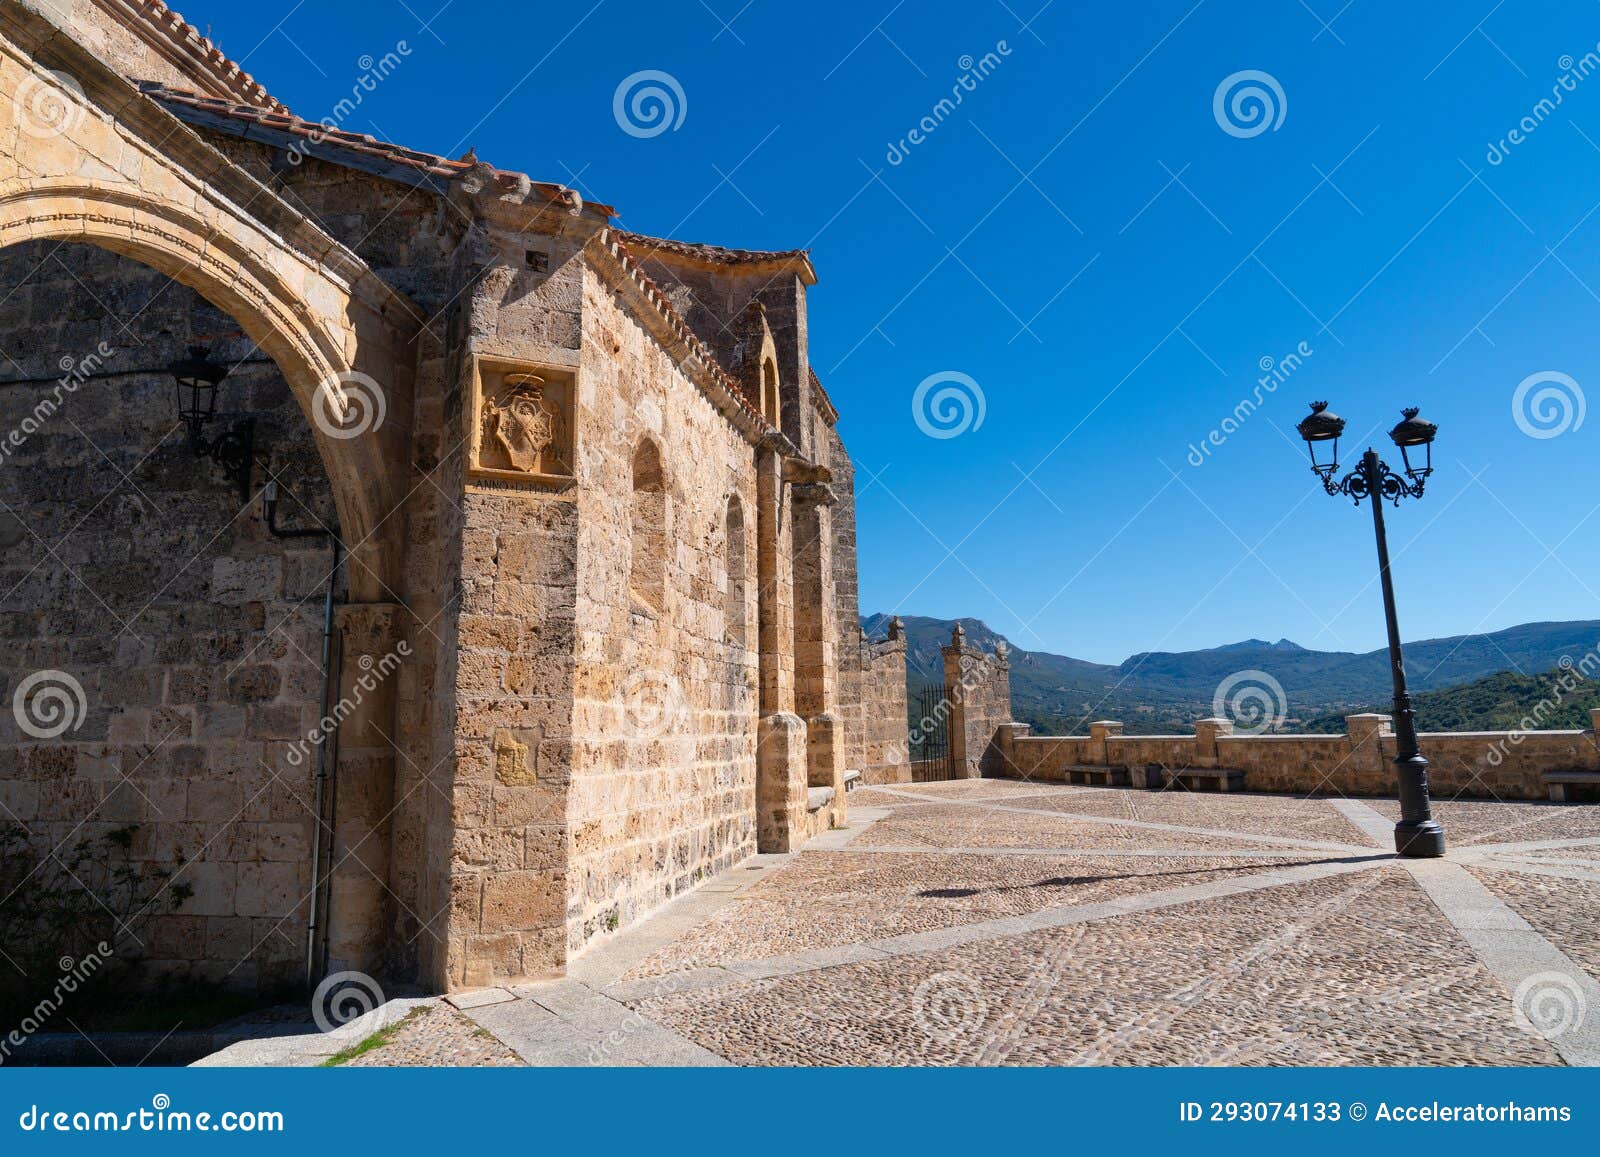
(186, 38)
(177, 102)
(617, 242)
(647, 246)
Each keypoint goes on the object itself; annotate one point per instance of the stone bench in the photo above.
(852, 780)
(1557, 782)
(818, 798)
(1091, 774)
(1212, 778)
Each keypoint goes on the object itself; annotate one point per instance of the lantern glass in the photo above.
(197, 400)
(1322, 426)
(1411, 433)
(197, 379)
(1332, 451)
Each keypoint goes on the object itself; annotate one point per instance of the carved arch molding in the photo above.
(84, 156)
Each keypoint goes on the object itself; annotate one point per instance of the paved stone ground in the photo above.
(438, 1036)
(1000, 922)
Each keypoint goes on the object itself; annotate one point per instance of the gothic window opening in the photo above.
(737, 575)
(648, 566)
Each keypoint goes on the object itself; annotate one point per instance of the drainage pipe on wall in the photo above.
(327, 750)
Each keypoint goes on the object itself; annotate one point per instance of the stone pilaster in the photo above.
(816, 627)
(825, 760)
(775, 582)
(359, 914)
(780, 782)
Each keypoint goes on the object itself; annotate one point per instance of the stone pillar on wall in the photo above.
(1007, 739)
(373, 649)
(1206, 734)
(782, 775)
(980, 701)
(1367, 732)
(1100, 731)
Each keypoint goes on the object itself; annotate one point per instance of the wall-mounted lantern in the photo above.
(198, 380)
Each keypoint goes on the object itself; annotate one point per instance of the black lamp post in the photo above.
(198, 378)
(1417, 834)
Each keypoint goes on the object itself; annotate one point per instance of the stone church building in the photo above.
(431, 576)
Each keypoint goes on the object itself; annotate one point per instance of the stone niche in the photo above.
(520, 419)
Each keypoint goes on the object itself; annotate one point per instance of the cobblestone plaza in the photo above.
(998, 922)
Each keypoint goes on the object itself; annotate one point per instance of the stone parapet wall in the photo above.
(1477, 764)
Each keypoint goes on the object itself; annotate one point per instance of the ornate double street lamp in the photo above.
(1417, 834)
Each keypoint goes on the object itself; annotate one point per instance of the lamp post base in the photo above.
(1416, 841)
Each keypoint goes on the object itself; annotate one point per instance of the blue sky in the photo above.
(1084, 239)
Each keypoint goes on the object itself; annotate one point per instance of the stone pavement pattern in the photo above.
(437, 1036)
(999, 922)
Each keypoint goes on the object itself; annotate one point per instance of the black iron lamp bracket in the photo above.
(1380, 481)
(233, 450)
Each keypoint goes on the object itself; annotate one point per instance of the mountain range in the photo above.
(1164, 692)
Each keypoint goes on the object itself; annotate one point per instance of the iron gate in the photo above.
(930, 735)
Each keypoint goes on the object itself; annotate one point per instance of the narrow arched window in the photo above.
(737, 577)
(648, 567)
(770, 408)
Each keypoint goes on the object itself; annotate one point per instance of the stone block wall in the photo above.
(128, 564)
(515, 630)
(714, 301)
(557, 755)
(663, 786)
